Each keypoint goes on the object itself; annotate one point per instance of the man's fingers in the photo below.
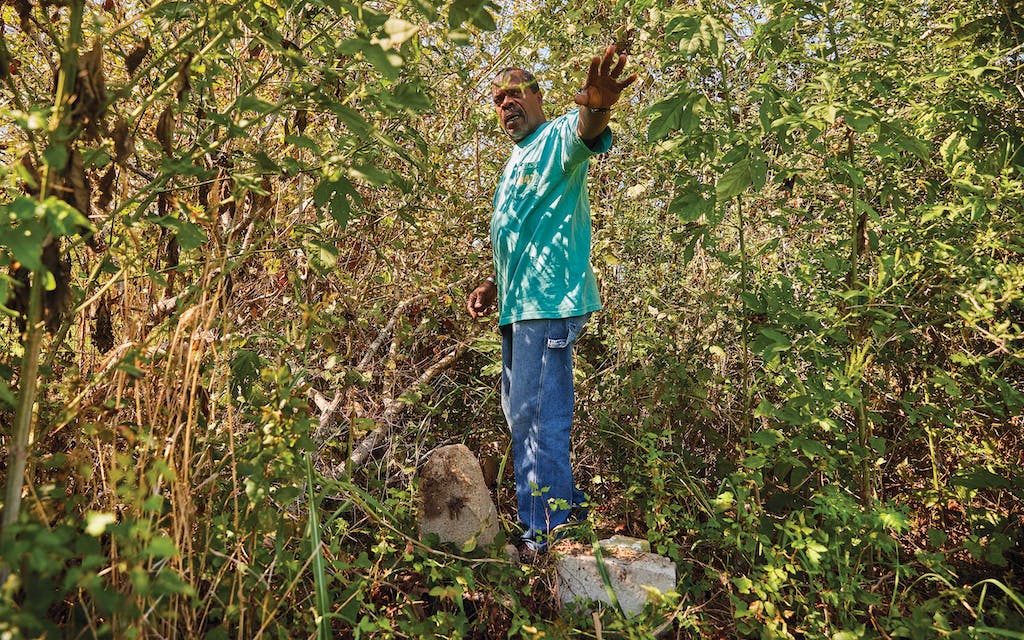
(617, 71)
(595, 62)
(606, 62)
(628, 81)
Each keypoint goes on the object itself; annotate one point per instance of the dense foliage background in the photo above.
(250, 229)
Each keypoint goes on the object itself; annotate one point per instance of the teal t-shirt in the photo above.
(540, 230)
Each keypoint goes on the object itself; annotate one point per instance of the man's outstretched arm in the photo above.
(600, 92)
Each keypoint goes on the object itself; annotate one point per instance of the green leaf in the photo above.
(475, 12)
(252, 103)
(6, 397)
(339, 192)
(387, 63)
(810, 448)
(767, 437)
(189, 235)
(341, 208)
(161, 547)
(411, 96)
(302, 142)
(352, 119)
(755, 461)
(245, 371)
(21, 208)
(981, 478)
(680, 112)
(371, 174)
(56, 156)
(691, 204)
(25, 242)
(63, 219)
(743, 584)
(323, 256)
(735, 180)
(286, 495)
(758, 172)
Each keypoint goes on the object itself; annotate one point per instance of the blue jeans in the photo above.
(537, 397)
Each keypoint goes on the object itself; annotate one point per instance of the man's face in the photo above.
(518, 105)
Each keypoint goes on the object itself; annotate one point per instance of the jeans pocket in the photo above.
(570, 328)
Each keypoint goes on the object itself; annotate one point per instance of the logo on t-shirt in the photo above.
(527, 173)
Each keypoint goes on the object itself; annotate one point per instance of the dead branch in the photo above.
(371, 351)
(163, 308)
(393, 409)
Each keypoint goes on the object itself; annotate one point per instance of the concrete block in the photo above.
(630, 572)
(454, 500)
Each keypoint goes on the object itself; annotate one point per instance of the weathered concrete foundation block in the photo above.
(454, 500)
(629, 570)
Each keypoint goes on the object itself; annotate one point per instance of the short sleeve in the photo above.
(575, 151)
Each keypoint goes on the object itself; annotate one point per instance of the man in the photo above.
(540, 235)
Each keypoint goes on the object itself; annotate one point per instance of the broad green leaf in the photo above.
(189, 235)
(352, 119)
(338, 191)
(767, 437)
(981, 478)
(63, 219)
(6, 287)
(245, 371)
(34, 120)
(323, 191)
(302, 141)
(21, 208)
(475, 12)
(810, 448)
(691, 204)
(49, 281)
(663, 125)
(25, 242)
(815, 551)
(161, 547)
(411, 96)
(953, 148)
(893, 520)
(735, 180)
(758, 172)
(323, 256)
(755, 461)
(387, 63)
(56, 156)
(341, 209)
(679, 112)
(370, 174)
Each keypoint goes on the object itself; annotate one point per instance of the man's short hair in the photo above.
(529, 80)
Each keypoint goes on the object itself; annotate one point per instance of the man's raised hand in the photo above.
(602, 88)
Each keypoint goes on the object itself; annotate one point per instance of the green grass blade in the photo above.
(323, 603)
